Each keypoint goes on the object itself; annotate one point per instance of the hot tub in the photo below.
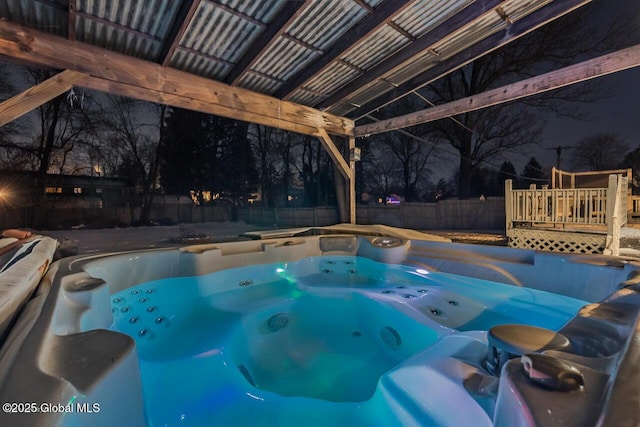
(324, 329)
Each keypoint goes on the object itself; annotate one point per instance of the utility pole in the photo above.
(558, 150)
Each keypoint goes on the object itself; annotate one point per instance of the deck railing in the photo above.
(577, 207)
(562, 206)
(559, 206)
(635, 205)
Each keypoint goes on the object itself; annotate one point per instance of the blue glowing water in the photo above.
(304, 343)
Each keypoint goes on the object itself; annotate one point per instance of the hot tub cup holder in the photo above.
(507, 342)
(387, 242)
(552, 373)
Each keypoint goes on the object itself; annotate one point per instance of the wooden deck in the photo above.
(575, 220)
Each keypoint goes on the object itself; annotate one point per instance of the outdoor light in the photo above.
(354, 154)
(5, 194)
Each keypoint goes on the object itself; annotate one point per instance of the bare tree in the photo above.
(137, 144)
(411, 155)
(487, 134)
(408, 152)
(632, 160)
(9, 131)
(262, 142)
(314, 167)
(285, 147)
(58, 127)
(378, 172)
(602, 151)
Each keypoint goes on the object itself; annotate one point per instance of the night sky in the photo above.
(619, 114)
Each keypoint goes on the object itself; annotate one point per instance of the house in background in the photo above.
(66, 190)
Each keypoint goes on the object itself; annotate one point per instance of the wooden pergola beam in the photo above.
(190, 103)
(48, 50)
(586, 70)
(37, 95)
(335, 154)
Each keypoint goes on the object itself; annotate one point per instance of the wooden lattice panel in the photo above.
(557, 241)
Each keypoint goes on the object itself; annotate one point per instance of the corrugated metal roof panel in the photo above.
(446, 48)
(413, 69)
(333, 77)
(425, 15)
(263, 10)
(342, 109)
(187, 61)
(379, 86)
(466, 37)
(520, 8)
(219, 33)
(379, 45)
(260, 83)
(469, 35)
(116, 39)
(324, 21)
(151, 20)
(373, 3)
(284, 58)
(50, 17)
(153, 17)
(304, 97)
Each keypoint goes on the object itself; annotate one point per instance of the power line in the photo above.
(465, 127)
(456, 153)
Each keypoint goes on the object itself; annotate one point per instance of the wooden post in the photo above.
(612, 242)
(617, 216)
(508, 205)
(352, 183)
(347, 172)
(629, 192)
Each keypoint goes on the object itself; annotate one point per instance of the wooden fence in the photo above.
(472, 214)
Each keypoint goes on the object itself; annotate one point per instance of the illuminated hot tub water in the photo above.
(321, 340)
